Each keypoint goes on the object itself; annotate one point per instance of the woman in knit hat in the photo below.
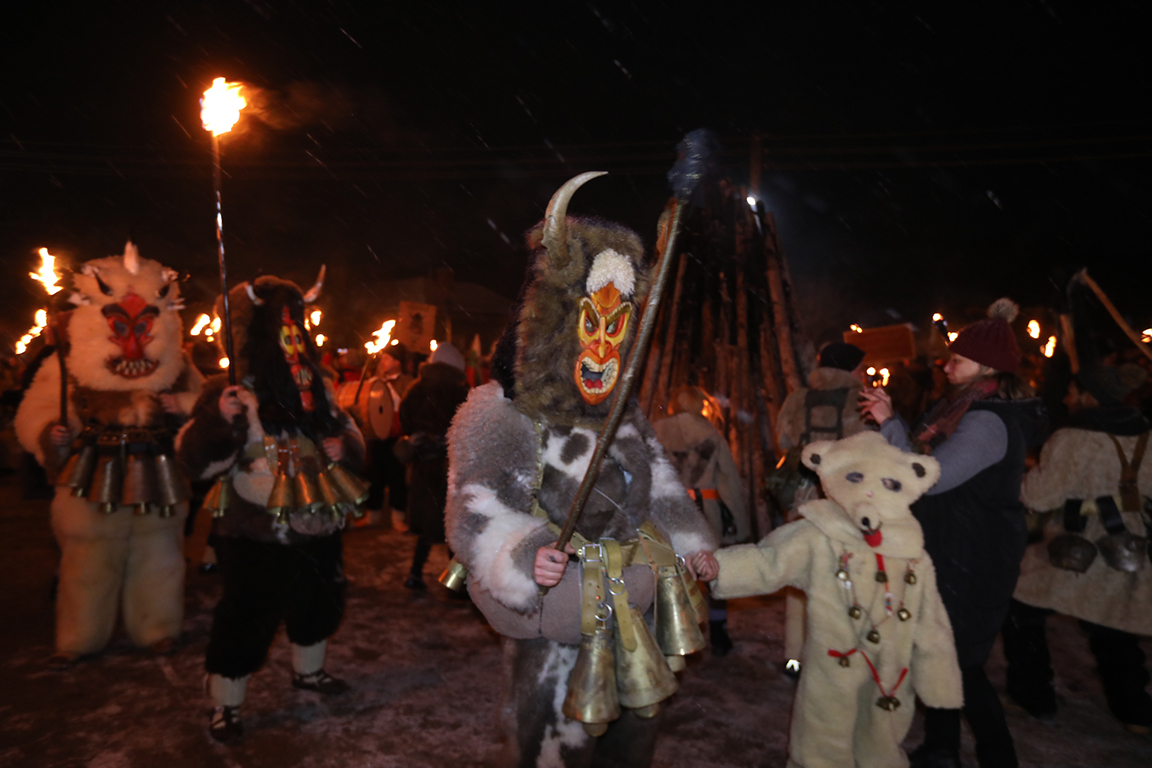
(973, 521)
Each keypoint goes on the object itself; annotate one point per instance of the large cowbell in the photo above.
(643, 678)
(677, 622)
(592, 698)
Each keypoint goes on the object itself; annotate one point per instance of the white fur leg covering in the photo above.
(308, 659)
(228, 691)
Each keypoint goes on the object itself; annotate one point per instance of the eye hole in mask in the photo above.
(892, 485)
(855, 477)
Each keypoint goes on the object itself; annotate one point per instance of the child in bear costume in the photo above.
(279, 448)
(121, 500)
(877, 629)
(518, 450)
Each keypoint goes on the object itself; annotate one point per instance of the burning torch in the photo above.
(219, 111)
(47, 277)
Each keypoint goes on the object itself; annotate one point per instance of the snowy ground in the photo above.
(426, 677)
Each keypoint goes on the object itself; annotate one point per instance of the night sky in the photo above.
(919, 156)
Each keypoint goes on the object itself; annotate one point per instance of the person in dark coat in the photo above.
(973, 520)
(425, 414)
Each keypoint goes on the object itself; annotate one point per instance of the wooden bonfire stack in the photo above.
(730, 328)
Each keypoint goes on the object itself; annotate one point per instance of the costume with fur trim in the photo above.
(523, 442)
(282, 563)
(870, 642)
(119, 509)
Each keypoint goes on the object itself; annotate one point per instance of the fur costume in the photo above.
(131, 552)
(867, 652)
(280, 560)
(523, 442)
(1078, 464)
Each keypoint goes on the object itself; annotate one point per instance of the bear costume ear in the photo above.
(812, 455)
(926, 471)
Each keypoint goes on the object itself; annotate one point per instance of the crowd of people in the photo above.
(1013, 505)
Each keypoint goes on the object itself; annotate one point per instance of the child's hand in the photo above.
(703, 566)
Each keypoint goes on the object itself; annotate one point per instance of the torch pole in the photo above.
(228, 350)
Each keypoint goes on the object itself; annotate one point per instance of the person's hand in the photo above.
(333, 448)
(876, 404)
(703, 566)
(170, 404)
(60, 436)
(548, 569)
(233, 401)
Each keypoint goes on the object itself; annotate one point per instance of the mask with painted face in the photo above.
(294, 347)
(604, 319)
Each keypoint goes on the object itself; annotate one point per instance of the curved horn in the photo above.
(314, 291)
(555, 221)
(131, 258)
(252, 295)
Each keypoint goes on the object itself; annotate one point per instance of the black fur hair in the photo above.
(280, 406)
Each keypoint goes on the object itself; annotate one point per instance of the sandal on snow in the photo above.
(225, 725)
(320, 682)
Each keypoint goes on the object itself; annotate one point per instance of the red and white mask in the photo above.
(603, 325)
(294, 346)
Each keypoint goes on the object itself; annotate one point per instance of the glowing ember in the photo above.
(382, 337)
(320, 339)
(47, 273)
(315, 317)
(432, 345)
(221, 105)
(1050, 348)
(856, 328)
(223, 362)
(1034, 329)
(201, 323)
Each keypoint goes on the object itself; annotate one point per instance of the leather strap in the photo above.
(619, 592)
(592, 560)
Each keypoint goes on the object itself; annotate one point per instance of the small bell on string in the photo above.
(844, 662)
(882, 576)
(909, 578)
(904, 614)
(842, 574)
(888, 703)
(855, 612)
(873, 637)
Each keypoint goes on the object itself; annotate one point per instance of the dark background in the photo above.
(919, 156)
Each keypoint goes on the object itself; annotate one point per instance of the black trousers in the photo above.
(985, 716)
(1119, 660)
(266, 583)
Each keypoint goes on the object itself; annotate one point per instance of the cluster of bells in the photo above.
(125, 468)
(333, 490)
(607, 676)
(856, 612)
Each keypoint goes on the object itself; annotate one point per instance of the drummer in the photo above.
(388, 499)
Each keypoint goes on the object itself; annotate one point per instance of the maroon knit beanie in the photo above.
(991, 342)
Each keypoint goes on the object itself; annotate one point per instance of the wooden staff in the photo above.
(1108, 305)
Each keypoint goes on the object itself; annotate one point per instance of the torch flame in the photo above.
(856, 328)
(41, 323)
(884, 374)
(382, 337)
(1146, 336)
(952, 336)
(221, 105)
(223, 362)
(47, 273)
(1034, 329)
(1050, 348)
(937, 317)
(432, 345)
(215, 325)
(320, 339)
(315, 317)
(201, 323)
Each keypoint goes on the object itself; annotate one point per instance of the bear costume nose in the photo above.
(865, 522)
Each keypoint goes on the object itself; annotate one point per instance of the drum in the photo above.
(372, 410)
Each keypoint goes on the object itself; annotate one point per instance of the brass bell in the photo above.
(677, 629)
(591, 698)
(889, 703)
(329, 494)
(219, 497)
(140, 482)
(845, 661)
(842, 574)
(873, 636)
(904, 614)
(307, 494)
(909, 578)
(166, 511)
(351, 487)
(107, 483)
(455, 576)
(882, 576)
(676, 663)
(643, 678)
(855, 612)
(77, 473)
(171, 481)
(282, 499)
(699, 602)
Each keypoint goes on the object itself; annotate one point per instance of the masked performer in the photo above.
(584, 675)
(279, 447)
(120, 502)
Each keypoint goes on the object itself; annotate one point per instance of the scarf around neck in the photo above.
(942, 420)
